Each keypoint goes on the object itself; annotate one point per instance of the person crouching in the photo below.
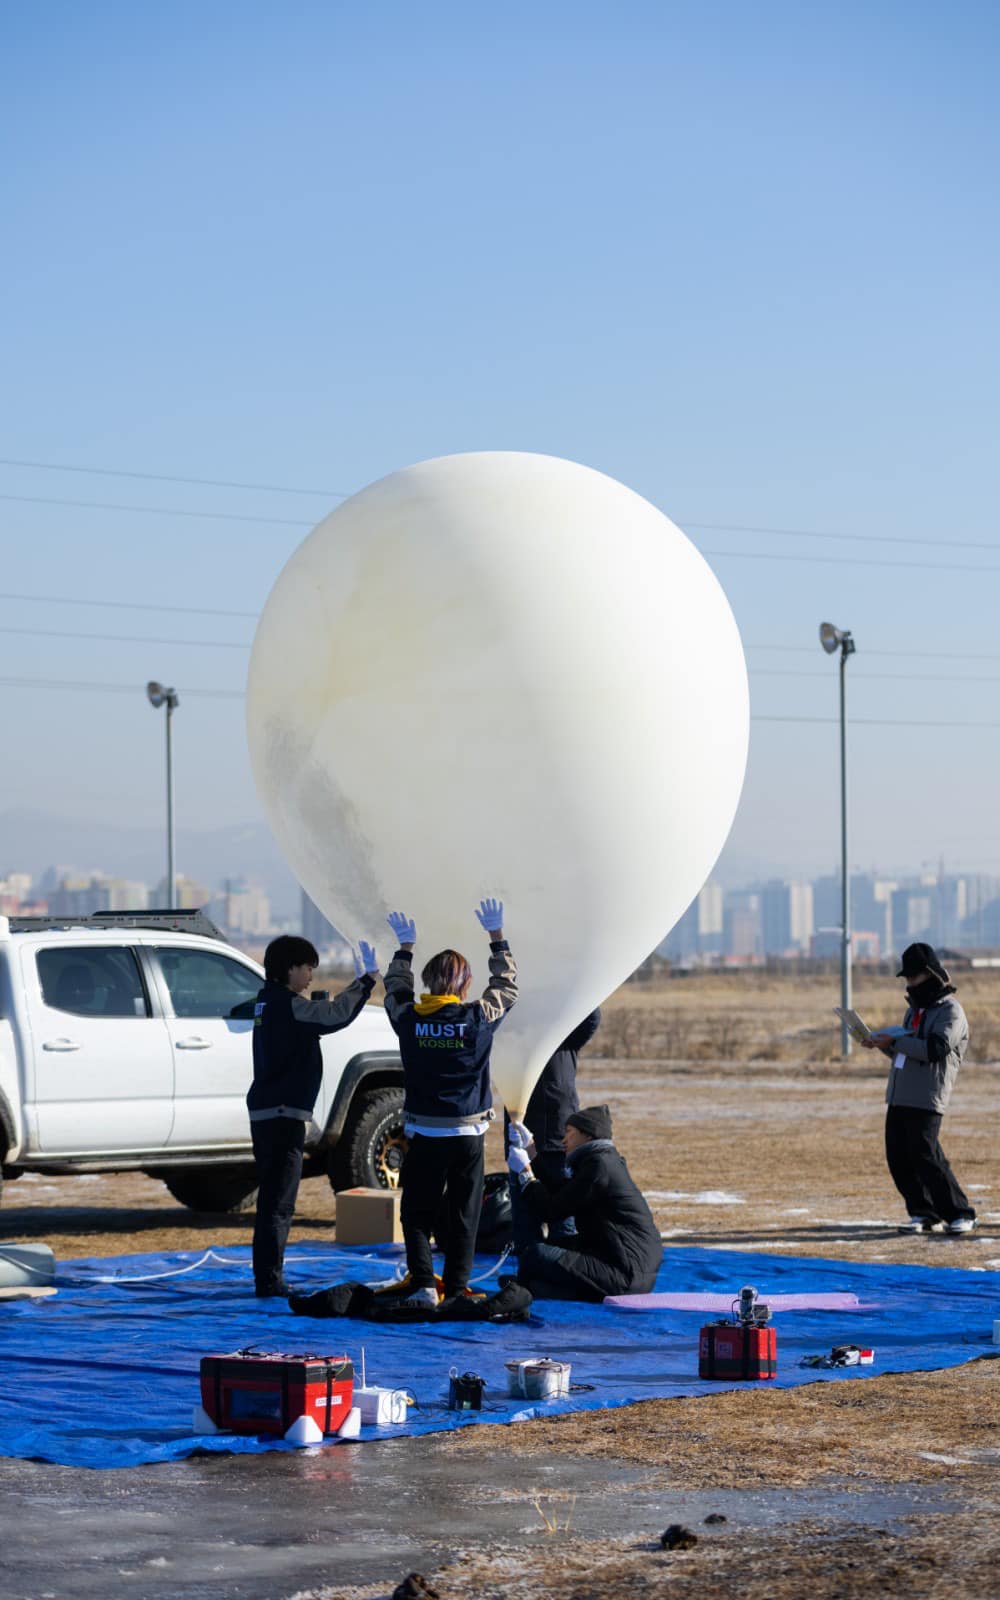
(445, 1045)
(616, 1248)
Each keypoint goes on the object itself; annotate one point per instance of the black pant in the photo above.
(919, 1166)
(565, 1272)
(548, 1166)
(428, 1167)
(277, 1147)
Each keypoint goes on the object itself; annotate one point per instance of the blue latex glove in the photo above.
(490, 914)
(517, 1161)
(403, 927)
(365, 959)
(518, 1136)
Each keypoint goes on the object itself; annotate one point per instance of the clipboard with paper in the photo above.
(859, 1029)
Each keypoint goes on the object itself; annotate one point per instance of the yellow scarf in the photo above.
(429, 1003)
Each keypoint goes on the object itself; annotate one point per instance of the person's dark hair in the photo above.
(288, 950)
(447, 973)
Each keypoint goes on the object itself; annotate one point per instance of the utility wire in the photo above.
(159, 511)
(110, 688)
(237, 694)
(859, 674)
(173, 477)
(860, 538)
(128, 605)
(344, 494)
(207, 644)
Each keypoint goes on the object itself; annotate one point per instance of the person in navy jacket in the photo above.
(287, 1073)
(445, 1044)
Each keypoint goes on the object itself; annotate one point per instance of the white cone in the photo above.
(304, 1431)
(350, 1428)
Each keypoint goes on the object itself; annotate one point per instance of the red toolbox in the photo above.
(252, 1391)
(737, 1350)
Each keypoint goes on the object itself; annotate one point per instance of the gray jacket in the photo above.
(931, 1057)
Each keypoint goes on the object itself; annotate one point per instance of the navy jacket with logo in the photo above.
(446, 1049)
(287, 1060)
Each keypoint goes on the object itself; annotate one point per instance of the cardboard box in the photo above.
(369, 1216)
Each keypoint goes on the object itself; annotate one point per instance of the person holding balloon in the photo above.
(287, 1073)
(445, 1043)
(617, 1247)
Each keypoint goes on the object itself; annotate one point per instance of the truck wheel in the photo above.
(213, 1188)
(370, 1152)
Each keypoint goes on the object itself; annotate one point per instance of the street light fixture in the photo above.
(833, 639)
(158, 696)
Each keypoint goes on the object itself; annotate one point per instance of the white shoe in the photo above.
(919, 1225)
(421, 1297)
(961, 1225)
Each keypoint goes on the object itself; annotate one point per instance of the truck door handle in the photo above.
(60, 1044)
(194, 1043)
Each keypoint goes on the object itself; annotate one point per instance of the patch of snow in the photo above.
(704, 1197)
(949, 1461)
(796, 1211)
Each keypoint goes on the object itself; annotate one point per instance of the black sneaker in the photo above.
(273, 1291)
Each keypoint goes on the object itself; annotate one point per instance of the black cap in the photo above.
(594, 1121)
(918, 958)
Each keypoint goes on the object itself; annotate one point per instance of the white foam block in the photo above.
(304, 1431)
(380, 1407)
(350, 1428)
(201, 1422)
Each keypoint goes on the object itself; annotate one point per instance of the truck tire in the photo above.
(371, 1148)
(215, 1189)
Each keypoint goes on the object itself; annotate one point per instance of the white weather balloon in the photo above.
(502, 674)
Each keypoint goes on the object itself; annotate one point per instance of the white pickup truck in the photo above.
(125, 1045)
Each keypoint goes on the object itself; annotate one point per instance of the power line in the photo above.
(860, 676)
(939, 655)
(859, 538)
(237, 694)
(128, 605)
(111, 688)
(157, 511)
(344, 494)
(173, 477)
(848, 561)
(133, 638)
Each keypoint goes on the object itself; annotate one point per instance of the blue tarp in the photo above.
(105, 1373)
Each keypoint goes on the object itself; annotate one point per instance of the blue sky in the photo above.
(743, 258)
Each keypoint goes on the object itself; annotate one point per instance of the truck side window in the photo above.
(91, 981)
(203, 984)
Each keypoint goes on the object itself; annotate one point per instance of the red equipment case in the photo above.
(737, 1350)
(259, 1392)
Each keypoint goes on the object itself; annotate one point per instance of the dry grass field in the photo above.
(746, 1130)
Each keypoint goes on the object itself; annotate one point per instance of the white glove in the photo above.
(517, 1161)
(518, 1136)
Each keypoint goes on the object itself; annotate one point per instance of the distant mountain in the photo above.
(30, 841)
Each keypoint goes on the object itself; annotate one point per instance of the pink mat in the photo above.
(724, 1302)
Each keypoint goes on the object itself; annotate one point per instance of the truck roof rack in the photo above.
(160, 921)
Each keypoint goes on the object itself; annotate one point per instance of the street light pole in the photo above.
(832, 639)
(158, 696)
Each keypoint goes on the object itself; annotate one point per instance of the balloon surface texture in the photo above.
(502, 674)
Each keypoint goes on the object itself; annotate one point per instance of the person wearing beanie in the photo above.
(616, 1248)
(926, 1056)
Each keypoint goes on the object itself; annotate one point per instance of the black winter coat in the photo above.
(613, 1222)
(554, 1097)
